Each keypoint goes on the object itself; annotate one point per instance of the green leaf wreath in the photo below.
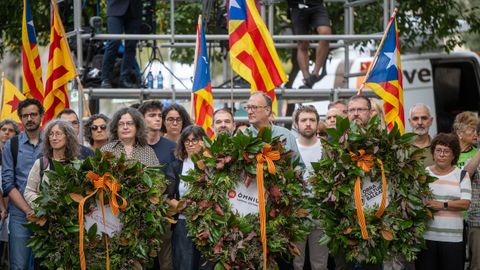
(55, 229)
(399, 231)
(231, 240)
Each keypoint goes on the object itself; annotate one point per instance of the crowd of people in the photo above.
(166, 137)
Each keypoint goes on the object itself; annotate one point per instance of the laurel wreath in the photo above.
(230, 240)
(55, 239)
(399, 231)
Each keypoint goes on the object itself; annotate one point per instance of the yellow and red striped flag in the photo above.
(385, 77)
(61, 69)
(252, 51)
(11, 98)
(202, 85)
(32, 69)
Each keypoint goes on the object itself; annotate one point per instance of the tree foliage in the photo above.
(423, 25)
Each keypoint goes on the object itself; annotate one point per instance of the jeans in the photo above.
(21, 257)
(119, 25)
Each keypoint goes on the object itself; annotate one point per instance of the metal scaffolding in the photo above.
(185, 41)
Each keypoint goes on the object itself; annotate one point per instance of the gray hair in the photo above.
(419, 105)
(72, 147)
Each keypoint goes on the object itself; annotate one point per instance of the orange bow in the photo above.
(268, 156)
(366, 163)
(105, 183)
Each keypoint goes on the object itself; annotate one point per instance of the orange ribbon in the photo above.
(268, 156)
(105, 183)
(366, 163)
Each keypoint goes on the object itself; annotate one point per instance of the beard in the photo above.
(32, 126)
(307, 133)
(420, 130)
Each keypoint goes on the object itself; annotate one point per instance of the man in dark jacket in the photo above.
(124, 16)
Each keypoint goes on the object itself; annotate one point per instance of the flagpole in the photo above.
(1, 91)
(359, 92)
(197, 48)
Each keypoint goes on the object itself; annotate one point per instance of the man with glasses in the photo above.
(18, 157)
(359, 110)
(223, 122)
(306, 121)
(259, 109)
(71, 116)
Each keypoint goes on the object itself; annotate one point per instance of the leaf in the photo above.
(387, 235)
(147, 180)
(154, 200)
(76, 197)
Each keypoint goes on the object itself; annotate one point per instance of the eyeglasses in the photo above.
(192, 142)
(173, 120)
(57, 134)
(357, 110)
(30, 115)
(254, 108)
(4, 129)
(95, 127)
(439, 151)
(126, 124)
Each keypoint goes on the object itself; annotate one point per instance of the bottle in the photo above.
(150, 80)
(159, 80)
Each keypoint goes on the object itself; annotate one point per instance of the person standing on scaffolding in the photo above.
(305, 15)
(123, 16)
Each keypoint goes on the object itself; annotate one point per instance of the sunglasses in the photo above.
(95, 127)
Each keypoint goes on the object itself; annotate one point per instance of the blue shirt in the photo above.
(284, 134)
(164, 150)
(27, 154)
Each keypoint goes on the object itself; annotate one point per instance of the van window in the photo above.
(456, 89)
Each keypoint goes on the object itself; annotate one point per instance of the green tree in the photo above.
(434, 23)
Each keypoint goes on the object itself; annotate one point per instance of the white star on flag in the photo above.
(393, 58)
(233, 3)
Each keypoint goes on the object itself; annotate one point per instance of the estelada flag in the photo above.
(61, 69)
(252, 52)
(202, 85)
(32, 69)
(10, 100)
(385, 77)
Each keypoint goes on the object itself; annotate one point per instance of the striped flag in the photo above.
(32, 69)
(61, 69)
(202, 85)
(11, 98)
(385, 77)
(252, 52)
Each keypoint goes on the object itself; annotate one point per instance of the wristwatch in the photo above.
(445, 205)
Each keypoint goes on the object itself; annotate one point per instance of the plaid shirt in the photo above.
(474, 210)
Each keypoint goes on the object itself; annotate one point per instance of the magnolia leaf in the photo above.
(302, 213)
(154, 200)
(294, 249)
(152, 253)
(387, 235)
(76, 197)
(201, 164)
(171, 220)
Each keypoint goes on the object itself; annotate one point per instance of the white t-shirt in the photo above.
(310, 154)
(447, 226)
(182, 186)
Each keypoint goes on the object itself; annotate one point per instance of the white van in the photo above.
(448, 83)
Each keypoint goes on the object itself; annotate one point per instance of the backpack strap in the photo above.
(44, 162)
(14, 150)
(462, 175)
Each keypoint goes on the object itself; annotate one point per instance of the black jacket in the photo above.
(172, 173)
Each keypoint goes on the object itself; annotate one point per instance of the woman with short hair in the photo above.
(128, 136)
(175, 119)
(96, 131)
(452, 194)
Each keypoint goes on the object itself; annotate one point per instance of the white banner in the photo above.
(372, 193)
(95, 217)
(244, 200)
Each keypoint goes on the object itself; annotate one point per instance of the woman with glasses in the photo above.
(128, 136)
(451, 197)
(185, 255)
(61, 144)
(175, 119)
(96, 131)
